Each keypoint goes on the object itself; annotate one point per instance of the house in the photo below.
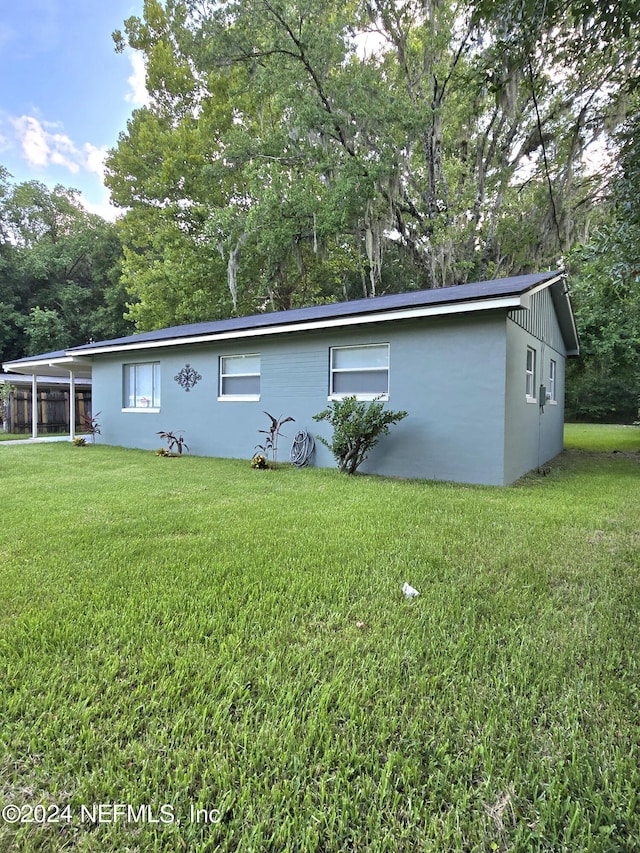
(479, 368)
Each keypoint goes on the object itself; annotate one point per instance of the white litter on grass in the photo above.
(409, 591)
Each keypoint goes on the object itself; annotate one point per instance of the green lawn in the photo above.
(602, 438)
(14, 436)
(191, 633)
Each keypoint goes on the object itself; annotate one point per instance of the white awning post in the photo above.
(34, 406)
(72, 406)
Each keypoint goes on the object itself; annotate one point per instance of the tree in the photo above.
(605, 382)
(608, 26)
(45, 331)
(279, 162)
(60, 271)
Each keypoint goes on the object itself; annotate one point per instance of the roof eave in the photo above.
(564, 311)
(44, 366)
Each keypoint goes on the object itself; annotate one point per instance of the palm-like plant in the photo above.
(270, 445)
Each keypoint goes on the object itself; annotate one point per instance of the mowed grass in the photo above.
(191, 634)
(13, 436)
(611, 438)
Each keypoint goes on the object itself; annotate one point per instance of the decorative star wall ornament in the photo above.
(187, 377)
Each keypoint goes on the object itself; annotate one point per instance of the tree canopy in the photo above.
(60, 270)
(297, 152)
(605, 381)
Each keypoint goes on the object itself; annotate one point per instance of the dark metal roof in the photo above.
(43, 357)
(457, 294)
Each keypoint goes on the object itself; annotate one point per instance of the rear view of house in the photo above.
(479, 368)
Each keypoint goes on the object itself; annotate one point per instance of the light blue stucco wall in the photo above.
(532, 435)
(447, 373)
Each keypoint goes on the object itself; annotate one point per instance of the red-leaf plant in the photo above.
(270, 445)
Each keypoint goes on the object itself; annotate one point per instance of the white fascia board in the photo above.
(63, 363)
(315, 325)
(542, 286)
(564, 312)
(51, 379)
(60, 361)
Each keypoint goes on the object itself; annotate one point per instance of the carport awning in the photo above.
(51, 364)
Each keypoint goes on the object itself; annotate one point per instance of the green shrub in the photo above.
(357, 427)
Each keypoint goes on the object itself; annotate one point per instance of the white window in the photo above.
(240, 377)
(362, 371)
(141, 386)
(531, 374)
(552, 382)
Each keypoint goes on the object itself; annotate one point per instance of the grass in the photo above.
(14, 436)
(612, 438)
(191, 633)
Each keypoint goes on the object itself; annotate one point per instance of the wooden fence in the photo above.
(53, 410)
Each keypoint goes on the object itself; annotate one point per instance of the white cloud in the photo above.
(43, 144)
(94, 159)
(138, 96)
(59, 159)
(32, 138)
(104, 209)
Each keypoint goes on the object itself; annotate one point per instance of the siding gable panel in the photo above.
(540, 320)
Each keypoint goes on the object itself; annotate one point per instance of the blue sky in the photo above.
(65, 94)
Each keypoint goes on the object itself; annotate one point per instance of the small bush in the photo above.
(79, 441)
(259, 461)
(357, 427)
(91, 425)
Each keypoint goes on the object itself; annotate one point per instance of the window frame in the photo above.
(156, 397)
(553, 380)
(224, 398)
(359, 395)
(530, 375)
